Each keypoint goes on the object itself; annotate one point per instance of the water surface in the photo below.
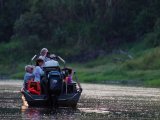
(100, 102)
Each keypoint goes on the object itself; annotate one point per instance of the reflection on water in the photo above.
(49, 113)
(97, 102)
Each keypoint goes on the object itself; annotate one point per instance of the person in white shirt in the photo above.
(46, 56)
(38, 71)
(43, 55)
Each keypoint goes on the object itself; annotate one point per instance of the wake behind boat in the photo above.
(53, 90)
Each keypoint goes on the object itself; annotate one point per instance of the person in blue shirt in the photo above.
(38, 71)
(28, 75)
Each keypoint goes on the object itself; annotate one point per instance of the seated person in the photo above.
(68, 78)
(38, 71)
(34, 87)
(28, 75)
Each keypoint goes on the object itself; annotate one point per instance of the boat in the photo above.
(57, 92)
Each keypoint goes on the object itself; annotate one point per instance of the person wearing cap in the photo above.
(38, 71)
(28, 75)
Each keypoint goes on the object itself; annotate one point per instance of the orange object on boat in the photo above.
(34, 87)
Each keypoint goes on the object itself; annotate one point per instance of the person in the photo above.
(68, 78)
(38, 71)
(28, 75)
(33, 86)
(44, 54)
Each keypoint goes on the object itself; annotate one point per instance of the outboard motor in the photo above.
(52, 71)
(55, 82)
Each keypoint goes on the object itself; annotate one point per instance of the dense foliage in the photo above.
(10, 11)
(81, 30)
(70, 27)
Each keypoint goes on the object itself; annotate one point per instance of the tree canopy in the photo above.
(71, 27)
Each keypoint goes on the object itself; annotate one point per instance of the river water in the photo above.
(98, 102)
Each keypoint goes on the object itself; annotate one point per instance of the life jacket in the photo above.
(34, 87)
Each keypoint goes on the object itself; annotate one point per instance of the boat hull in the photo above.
(63, 100)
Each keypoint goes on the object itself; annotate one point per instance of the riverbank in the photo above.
(142, 69)
(136, 69)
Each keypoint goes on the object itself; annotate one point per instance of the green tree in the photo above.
(10, 10)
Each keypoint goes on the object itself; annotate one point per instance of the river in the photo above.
(98, 102)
